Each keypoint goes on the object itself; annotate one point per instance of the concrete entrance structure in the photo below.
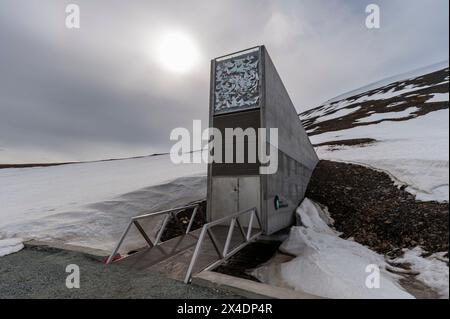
(247, 92)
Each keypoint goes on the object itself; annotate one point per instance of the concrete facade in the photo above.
(235, 187)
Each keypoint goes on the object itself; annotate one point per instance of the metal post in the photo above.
(258, 219)
(241, 229)
(191, 221)
(230, 234)
(158, 237)
(215, 243)
(143, 233)
(195, 255)
(250, 226)
(119, 243)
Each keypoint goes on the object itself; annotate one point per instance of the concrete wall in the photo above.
(296, 158)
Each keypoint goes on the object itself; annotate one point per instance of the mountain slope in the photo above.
(392, 79)
(373, 140)
(400, 128)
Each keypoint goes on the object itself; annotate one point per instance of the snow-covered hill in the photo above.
(399, 125)
(89, 204)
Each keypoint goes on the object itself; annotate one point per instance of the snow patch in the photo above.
(11, 245)
(438, 97)
(396, 78)
(433, 270)
(313, 216)
(388, 115)
(327, 265)
(395, 104)
(337, 114)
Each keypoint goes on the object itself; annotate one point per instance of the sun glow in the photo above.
(177, 52)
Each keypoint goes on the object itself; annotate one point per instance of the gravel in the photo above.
(367, 206)
(40, 273)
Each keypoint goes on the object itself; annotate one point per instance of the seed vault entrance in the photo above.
(247, 94)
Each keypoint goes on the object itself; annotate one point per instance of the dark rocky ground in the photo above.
(251, 256)
(348, 142)
(426, 85)
(367, 206)
(178, 223)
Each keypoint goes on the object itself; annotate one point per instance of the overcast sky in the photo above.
(101, 92)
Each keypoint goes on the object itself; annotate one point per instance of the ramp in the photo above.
(201, 249)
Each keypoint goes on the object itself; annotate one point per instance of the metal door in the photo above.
(230, 195)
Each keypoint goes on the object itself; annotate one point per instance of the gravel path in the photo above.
(40, 273)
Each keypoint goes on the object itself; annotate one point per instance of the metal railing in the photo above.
(226, 252)
(168, 212)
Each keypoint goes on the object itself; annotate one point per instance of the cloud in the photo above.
(98, 92)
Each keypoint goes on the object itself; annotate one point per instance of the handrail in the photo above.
(135, 221)
(225, 254)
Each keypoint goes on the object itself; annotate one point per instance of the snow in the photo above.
(379, 95)
(396, 104)
(339, 108)
(375, 92)
(9, 246)
(327, 265)
(433, 270)
(384, 82)
(414, 152)
(438, 97)
(89, 204)
(337, 114)
(388, 115)
(393, 92)
(314, 217)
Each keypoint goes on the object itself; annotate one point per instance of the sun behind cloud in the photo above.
(177, 51)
